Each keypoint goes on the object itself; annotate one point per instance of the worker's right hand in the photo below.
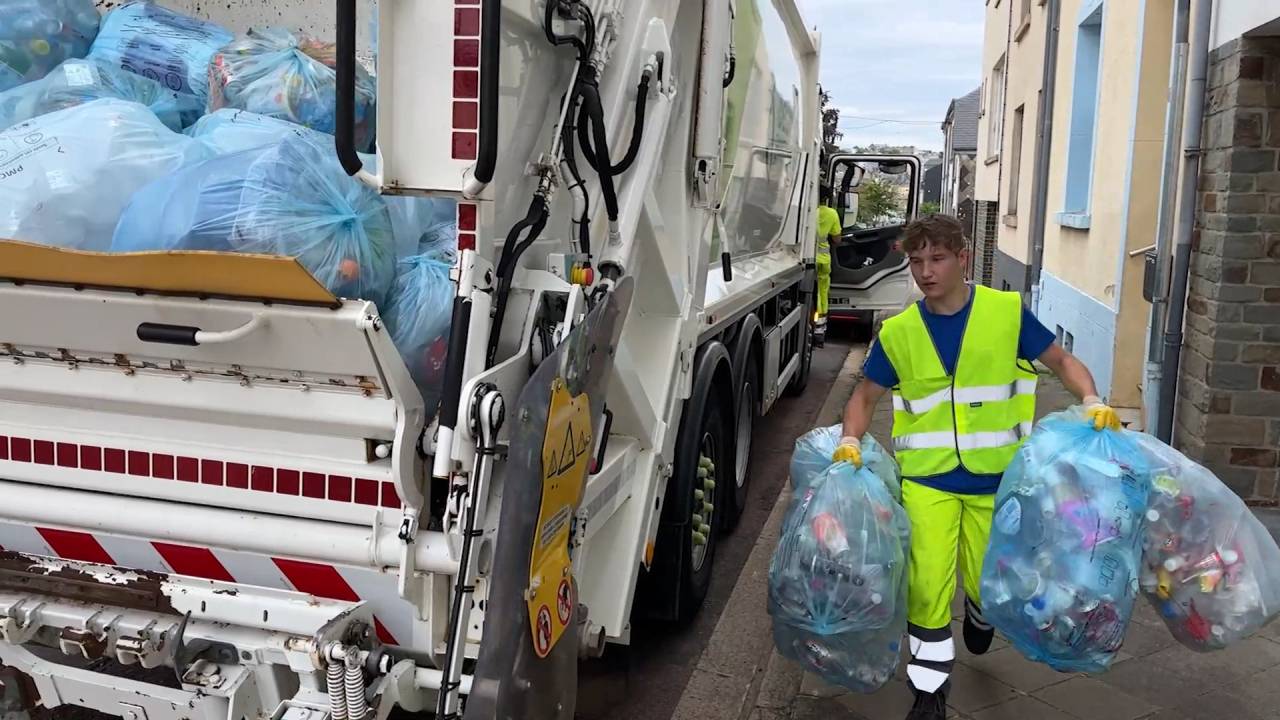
(850, 451)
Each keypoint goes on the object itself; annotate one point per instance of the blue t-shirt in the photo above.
(947, 331)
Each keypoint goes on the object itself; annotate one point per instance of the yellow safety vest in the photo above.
(975, 419)
(828, 225)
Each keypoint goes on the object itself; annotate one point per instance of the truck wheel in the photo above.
(748, 399)
(701, 469)
(800, 380)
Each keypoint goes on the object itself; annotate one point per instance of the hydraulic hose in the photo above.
(531, 227)
(592, 115)
(637, 133)
(490, 66)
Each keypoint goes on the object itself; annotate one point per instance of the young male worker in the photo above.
(963, 401)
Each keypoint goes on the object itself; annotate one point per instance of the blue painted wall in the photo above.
(1092, 326)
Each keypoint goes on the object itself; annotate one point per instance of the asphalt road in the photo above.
(646, 679)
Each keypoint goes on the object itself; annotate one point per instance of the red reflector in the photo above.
(288, 482)
(68, 455)
(313, 485)
(389, 497)
(465, 146)
(263, 479)
(139, 464)
(43, 452)
(162, 466)
(238, 476)
(466, 115)
(20, 449)
(4, 447)
(188, 470)
(367, 492)
(90, 457)
(466, 53)
(339, 488)
(210, 472)
(467, 217)
(466, 84)
(466, 241)
(466, 22)
(113, 461)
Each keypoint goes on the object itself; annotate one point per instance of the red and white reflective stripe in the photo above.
(466, 79)
(204, 471)
(394, 617)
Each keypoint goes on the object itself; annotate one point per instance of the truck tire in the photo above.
(747, 398)
(800, 380)
(714, 442)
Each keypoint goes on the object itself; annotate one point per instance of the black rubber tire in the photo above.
(800, 380)
(695, 577)
(738, 485)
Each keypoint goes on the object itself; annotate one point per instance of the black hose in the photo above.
(534, 223)
(490, 77)
(593, 115)
(345, 89)
(637, 133)
(571, 161)
(584, 48)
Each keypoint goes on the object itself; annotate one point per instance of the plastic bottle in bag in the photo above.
(38, 35)
(837, 583)
(1211, 569)
(66, 177)
(291, 198)
(76, 82)
(288, 76)
(1061, 573)
(157, 43)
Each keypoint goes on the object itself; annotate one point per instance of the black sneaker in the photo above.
(977, 639)
(929, 706)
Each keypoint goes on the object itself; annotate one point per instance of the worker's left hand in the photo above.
(1101, 416)
(848, 451)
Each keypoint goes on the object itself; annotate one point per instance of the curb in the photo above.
(738, 674)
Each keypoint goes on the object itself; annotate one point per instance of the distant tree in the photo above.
(930, 208)
(877, 203)
(831, 134)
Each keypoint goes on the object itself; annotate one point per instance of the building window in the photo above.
(995, 120)
(1084, 117)
(1015, 160)
(1024, 19)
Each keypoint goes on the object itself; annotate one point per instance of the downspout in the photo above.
(1168, 208)
(1044, 147)
(1192, 128)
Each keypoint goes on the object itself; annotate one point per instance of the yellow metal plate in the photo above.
(566, 456)
(201, 274)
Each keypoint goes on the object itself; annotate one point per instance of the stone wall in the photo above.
(1228, 414)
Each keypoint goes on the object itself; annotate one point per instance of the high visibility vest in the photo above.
(828, 225)
(975, 419)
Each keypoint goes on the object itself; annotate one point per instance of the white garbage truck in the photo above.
(212, 467)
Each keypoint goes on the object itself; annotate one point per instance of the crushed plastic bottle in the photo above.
(291, 77)
(36, 36)
(1211, 569)
(155, 42)
(1061, 574)
(837, 583)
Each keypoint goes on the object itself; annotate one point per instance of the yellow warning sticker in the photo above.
(566, 455)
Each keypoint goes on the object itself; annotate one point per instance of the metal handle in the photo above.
(194, 336)
(345, 112)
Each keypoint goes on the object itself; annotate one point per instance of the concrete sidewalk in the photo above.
(1154, 678)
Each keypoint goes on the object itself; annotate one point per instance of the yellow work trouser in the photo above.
(824, 282)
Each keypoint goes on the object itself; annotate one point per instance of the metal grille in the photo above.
(986, 219)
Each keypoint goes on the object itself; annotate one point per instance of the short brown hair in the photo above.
(938, 230)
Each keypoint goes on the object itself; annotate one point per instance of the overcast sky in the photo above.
(898, 60)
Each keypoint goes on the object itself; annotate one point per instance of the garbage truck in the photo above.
(221, 494)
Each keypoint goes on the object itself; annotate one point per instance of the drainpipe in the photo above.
(1044, 146)
(1192, 127)
(1168, 208)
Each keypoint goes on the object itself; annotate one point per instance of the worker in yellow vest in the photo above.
(828, 235)
(963, 399)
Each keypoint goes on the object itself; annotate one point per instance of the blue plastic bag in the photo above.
(228, 131)
(1210, 569)
(76, 82)
(812, 458)
(37, 35)
(291, 198)
(150, 40)
(418, 317)
(838, 580)
(425, 226)
(65, 177)
(1061, 574)
(283, 75)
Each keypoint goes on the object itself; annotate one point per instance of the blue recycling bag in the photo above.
(38, 35)
(69, 174)
(425, 226)
(418, 316)
(289, 76)
(838, 579)
(150, 40)
(228, 131)
(1062, 571)
(291, 198)
(76, 82)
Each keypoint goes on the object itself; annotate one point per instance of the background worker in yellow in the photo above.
(964, 400)
(828, 235)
